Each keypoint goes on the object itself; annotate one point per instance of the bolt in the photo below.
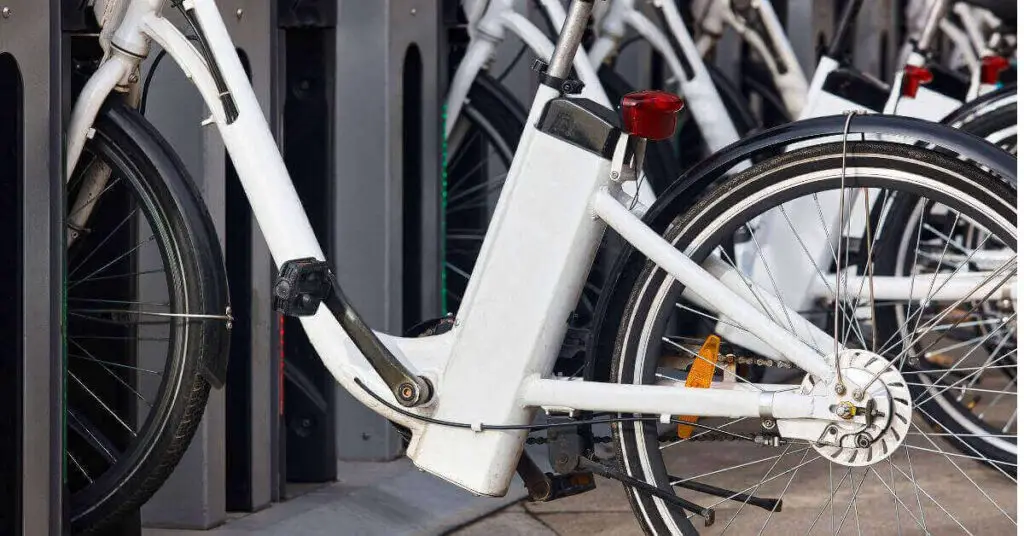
(832, 430)
(238, 13)
(407, 391)
(615, 175)
(5, 12)
(767, 424)
(863, 441)
(283, 288)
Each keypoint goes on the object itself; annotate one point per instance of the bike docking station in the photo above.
(352, 91)
(810, 25)
(31, 368)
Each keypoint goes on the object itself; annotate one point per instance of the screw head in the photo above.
(858, 394)
(283, 288)
(412, 12)
(238, 13)
(840, 389)
(407, 391)
(5, 12)
(767, 424)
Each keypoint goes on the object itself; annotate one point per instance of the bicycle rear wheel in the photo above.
(146, 310)
(920, 483)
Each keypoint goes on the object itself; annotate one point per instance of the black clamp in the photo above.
(301, 286)
(563, 85)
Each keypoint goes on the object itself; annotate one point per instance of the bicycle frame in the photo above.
(783, 64)
(489, 20)
(695, 84)
(511, 297)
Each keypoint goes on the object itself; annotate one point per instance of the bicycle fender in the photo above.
(827, 129)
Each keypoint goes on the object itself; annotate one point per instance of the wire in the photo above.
(149, 78)
(515, 60)
(483, 427)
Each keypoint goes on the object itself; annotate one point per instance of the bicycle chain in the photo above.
(703, 435)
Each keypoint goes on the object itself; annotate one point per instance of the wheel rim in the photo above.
(124, 349)
(771, 474)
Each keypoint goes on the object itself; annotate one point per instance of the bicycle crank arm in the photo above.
(772, 505)
(600, 469)
(304, 284)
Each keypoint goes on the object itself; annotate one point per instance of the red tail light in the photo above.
(992, 67)
(650, 114)
(913, 78)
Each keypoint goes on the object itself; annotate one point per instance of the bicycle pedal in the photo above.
(301, 286)
(570, 484)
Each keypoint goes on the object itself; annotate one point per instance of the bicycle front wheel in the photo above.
(146, 309)
(909, 475)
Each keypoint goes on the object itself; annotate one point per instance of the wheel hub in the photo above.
(874, 416)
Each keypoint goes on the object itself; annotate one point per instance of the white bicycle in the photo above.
(469, 395)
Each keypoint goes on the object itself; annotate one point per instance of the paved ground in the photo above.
(606, 512)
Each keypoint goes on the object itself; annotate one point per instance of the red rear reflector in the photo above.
(992, 67)
(650, 114)
(913, 78)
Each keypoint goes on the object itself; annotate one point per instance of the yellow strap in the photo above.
(701, 373)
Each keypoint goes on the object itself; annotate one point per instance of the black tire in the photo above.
(992, 117)
(700, 226)
(941, 406)
(150, 179)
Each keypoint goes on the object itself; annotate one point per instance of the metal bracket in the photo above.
(566, 86)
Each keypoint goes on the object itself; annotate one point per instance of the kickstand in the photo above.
(598, 468)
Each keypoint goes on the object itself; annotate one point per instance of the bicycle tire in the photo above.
(942, 407)
(173, 209)
(992, 117)
(651, 294)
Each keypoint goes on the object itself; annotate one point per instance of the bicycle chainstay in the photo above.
(703, 435)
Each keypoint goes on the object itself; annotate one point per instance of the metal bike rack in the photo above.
(233, 462)
(255, 367)
(387, 147)
(31, 372)
(809, 25)
(194, 495)
(878, 38)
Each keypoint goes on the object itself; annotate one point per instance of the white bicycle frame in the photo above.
(804, 288)
(542, 214)
(787, 75)
(488, 22)
(696, 87)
